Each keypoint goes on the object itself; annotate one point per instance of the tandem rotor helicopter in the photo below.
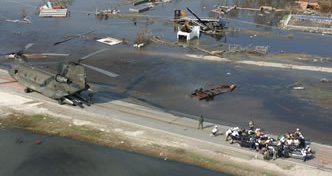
(66, 86)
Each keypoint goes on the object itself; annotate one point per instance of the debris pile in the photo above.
(187, 32)
(140, 10)
(207, 25)
(142, 6)
(141, 38)
(325, 80)
(318, 24)
(304, 5)
(101, 14)
(49, 10)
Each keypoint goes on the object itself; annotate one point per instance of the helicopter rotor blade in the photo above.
(43, 63)
(91, 54)
(99, 70)
(5, 54)
(43, 55)
(54, 54)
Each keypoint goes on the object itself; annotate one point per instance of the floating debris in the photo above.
(19, 140)
(110, 41)
(260, 50)
(140, 2)
(68, 38)
(140, 10)
(187, 32)
(209, 94)
(52, 11)
(23, 20)
(38, 142)
(107, 12)
(308, 23)
(325, 80)
(298, 88)
(138, 45)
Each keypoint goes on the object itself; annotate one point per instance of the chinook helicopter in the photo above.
(66, 86)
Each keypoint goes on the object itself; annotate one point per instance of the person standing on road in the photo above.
(200, 122)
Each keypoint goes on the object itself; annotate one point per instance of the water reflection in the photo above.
(64, 157)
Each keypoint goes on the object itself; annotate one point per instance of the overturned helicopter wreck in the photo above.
(209, 94)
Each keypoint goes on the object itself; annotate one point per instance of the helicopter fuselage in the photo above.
(64, 87)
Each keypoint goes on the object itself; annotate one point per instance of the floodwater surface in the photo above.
(60, 156)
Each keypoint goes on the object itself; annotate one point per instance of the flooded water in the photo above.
(60, 156)
(159, 76)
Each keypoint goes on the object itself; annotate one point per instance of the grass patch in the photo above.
(37, 117)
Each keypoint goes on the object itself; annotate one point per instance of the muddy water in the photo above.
(159, 76)
(60, 156)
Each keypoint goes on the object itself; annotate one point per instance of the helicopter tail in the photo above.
(75, 73)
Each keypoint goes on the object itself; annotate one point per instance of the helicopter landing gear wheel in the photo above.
(89, 100)
(27, 90)
(60, 101)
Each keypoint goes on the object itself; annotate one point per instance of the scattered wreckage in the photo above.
(308, 23)
(104, 14)
(49, 10)
(258, 50)
(209, 94)
(107, 12)
(23, 20)
(288, 145)
(207, 25)
(110, 41)
(187, 32)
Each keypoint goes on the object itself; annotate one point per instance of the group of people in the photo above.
(286, 145)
